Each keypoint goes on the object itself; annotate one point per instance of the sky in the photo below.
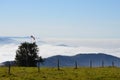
(96, 19)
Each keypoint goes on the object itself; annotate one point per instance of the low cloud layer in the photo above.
(65, 47)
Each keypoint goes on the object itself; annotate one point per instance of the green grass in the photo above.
(31, 73)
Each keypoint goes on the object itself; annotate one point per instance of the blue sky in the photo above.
(60, 18)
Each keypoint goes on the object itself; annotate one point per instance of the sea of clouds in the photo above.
(50, 47)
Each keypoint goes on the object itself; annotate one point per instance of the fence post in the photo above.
(76, 65)
(102, 63)
(38, 66)
(58, 64)
(90, 63)
(9, 67)
(113, 64)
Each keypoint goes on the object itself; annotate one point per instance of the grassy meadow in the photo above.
(31, 73)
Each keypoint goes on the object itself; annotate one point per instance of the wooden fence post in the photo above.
(38, 66)
(113, 65)
(102, 63)
(9, 67)
(76, 65)
(90, 63)
(58, 64)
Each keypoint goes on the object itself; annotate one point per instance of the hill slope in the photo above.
(83, 60)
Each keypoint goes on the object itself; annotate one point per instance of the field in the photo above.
(31, 73)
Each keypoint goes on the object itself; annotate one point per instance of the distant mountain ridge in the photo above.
(83, 60)
(17, 40)
(8, 40)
